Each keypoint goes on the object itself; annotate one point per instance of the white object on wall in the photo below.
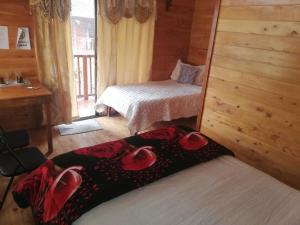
(4, 37)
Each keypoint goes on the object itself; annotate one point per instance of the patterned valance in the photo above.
(53, 9)
(114, 10)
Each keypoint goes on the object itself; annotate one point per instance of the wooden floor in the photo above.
(114, 128)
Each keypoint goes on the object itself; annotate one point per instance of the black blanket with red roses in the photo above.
(64, 188)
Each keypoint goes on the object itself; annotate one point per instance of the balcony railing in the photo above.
(84, 69)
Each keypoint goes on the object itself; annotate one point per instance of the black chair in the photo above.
(16, 139)
(14, 162)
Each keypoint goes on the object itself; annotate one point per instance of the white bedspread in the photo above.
(147, 103)
(224, 191)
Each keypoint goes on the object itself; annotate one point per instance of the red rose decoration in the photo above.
(30, 186)
(63, 187)
(106, 150)
(139, 159)
(162, 134)
(193, 141)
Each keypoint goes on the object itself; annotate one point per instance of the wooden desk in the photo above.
(23, 96)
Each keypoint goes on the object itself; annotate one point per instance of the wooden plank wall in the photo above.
(172, 36)
(253, 98)
(14, 14)
(200, 32)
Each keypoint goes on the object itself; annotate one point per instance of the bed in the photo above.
(147, 103)
(183, 178)
(224, 191)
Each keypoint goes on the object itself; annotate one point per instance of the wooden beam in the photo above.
(208, 61)
(85, 79)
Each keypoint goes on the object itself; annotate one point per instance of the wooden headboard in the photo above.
(172, 36)
(252, 104)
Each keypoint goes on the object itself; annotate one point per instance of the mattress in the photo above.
(147, 103)
(224, 191)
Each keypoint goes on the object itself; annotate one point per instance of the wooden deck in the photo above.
(86, 107)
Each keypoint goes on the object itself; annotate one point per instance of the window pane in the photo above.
(83, 26)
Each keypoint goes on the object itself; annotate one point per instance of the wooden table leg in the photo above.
(49, 130)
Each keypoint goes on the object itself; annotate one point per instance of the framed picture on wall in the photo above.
(23, 38)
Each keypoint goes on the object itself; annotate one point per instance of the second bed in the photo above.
(147, 103)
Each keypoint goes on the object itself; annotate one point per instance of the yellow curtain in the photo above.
(55, 63)
(124, 51)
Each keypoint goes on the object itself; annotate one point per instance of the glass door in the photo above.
(84, 61)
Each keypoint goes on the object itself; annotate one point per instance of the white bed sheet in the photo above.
(224, 191)
(147, 103)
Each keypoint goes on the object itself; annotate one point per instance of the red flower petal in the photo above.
(63, 187)
(139, 159)
(162, 134)
(106, 150)
(193, 141)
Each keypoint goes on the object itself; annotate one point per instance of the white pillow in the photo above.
(176, 72)
(199, 78)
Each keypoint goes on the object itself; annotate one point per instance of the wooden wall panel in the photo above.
(14, 14)
(200, 32)
(253, 97)
(172, 36)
